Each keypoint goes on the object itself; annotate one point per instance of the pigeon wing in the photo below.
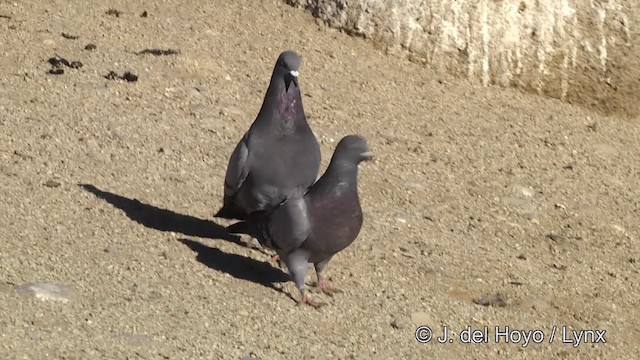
(289, 226)
(238, 167)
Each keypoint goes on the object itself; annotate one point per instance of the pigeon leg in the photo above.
(275, 261)
(322, 281)
(297, 264)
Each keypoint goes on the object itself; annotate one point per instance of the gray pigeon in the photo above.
(313, 227)
(279, 155)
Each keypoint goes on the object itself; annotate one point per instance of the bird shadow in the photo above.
(235, 265)
(238, 266)
(163, 219)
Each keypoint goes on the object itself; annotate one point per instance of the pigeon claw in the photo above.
(275, 261)
(325, 288)
(307, 300)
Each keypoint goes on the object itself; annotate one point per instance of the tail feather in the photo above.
(241, 227)
(230, 212)
(256, 227)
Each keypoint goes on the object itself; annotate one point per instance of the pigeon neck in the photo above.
(341, 175)
(287, 103)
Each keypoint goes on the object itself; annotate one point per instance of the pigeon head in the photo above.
(353, 149)
(287, 68)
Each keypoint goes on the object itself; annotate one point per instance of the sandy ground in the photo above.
(477, 195)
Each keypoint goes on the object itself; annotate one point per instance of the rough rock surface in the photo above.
(580, 51)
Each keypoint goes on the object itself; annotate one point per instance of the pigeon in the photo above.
(312, 227)
(279, 155)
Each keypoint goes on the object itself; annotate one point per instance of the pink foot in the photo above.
(307, 300)
(275, 261)
(325, 288)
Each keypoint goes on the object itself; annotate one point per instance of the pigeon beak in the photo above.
(367, 156)
(291, 77)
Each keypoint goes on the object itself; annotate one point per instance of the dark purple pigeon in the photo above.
(313, 227)
(279, 155)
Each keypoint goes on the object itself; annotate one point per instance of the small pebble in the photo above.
(159, 52)
(112, 75)
(48, 291)
(414, 185)
(431, 216)
(111, 249)
(69, 36)
(527, 191)
(130, 76)
(401, 217)
(399, 322)
(619, 229)
(58, 61)
(555, 236)
(34, 336)
(52, 184)
(491, 300)
(90, 47)
(114, 12)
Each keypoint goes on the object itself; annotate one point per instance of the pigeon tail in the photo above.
(255, 227)
(230, 212)
(240, 227)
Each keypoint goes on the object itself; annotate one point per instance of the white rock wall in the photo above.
(583, 51)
